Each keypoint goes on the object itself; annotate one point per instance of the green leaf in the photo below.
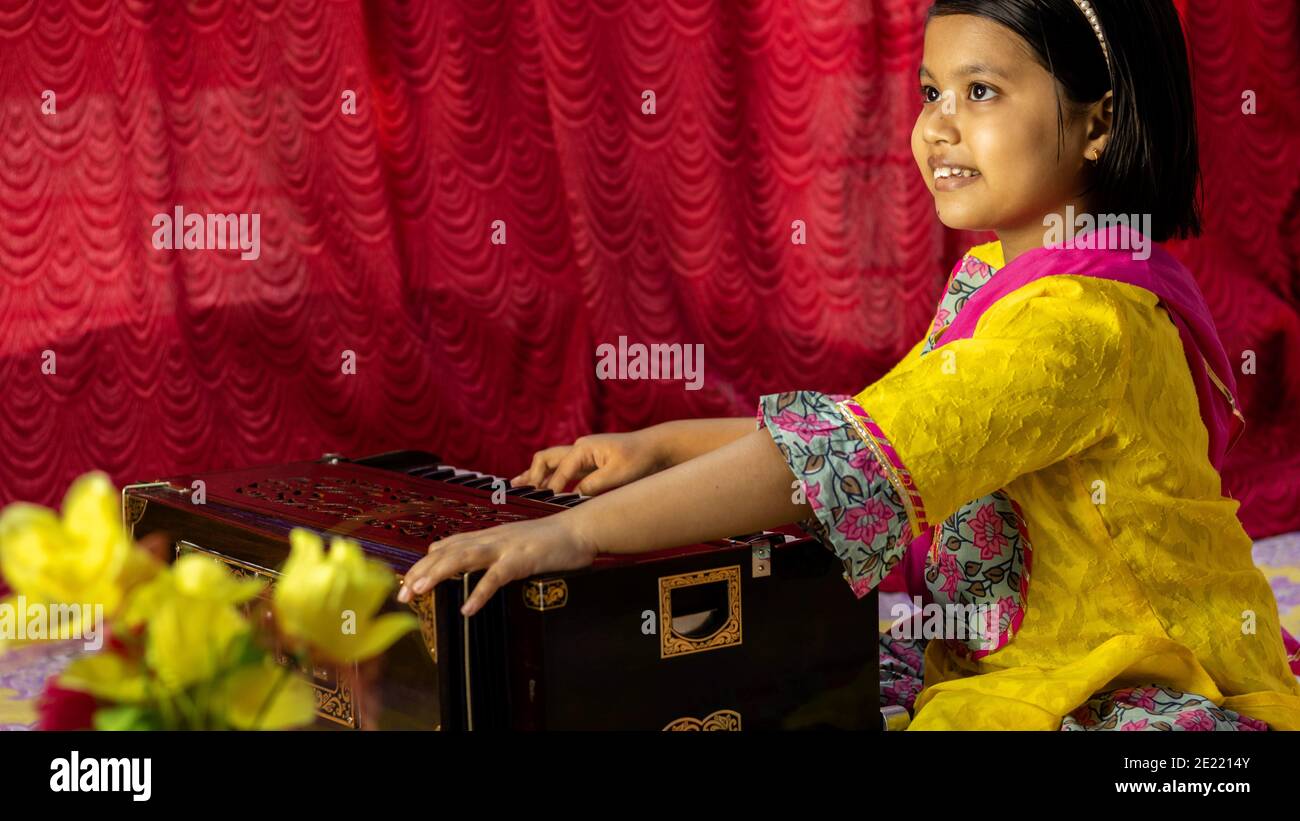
(126, 717)
(246, 651)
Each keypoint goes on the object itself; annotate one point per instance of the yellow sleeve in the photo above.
(1037, 383)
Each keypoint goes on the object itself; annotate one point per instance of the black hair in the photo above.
(1151, 164)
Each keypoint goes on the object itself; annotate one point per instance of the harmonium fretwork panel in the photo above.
(754, 632)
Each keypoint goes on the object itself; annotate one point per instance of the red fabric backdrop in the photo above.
(376, 226)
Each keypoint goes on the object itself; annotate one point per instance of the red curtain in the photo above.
(377, 225)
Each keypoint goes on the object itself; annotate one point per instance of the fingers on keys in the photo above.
(445, 559)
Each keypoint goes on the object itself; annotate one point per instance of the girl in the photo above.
(1048, 453)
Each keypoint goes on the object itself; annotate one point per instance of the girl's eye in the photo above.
(978, 92)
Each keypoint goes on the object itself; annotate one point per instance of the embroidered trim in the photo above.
(883, 450)
(1232, 400)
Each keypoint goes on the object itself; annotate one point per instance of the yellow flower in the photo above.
(108, 677)
(193, 627)
(85, 558)
(265, 697)
(330, 602)
(203, 577)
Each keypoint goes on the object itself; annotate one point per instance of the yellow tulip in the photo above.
(265, 697)
(193, 627)
(210, 579)
(108, 677)
(330, 601)
(85, 558)
(32, 541)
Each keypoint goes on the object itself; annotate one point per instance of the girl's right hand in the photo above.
(601, 461)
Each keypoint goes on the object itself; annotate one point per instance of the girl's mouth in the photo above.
(951, 178)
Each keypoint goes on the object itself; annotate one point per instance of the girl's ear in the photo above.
(1099, 119)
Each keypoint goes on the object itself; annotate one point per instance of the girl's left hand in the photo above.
(508, 552)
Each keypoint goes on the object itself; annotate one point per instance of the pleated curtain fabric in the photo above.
(459, 201)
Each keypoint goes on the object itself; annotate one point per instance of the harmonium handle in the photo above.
(699, 611)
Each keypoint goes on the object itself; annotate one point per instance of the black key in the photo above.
(437, 474)
(401, 461)
(463, 479)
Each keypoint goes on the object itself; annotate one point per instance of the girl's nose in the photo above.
(941, 121)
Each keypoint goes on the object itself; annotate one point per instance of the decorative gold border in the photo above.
(427, 613)
(133, 507)
(673, 644)
(546, 594)
(336, 705)
(725, 720)
(1232, 400)
(246, 567)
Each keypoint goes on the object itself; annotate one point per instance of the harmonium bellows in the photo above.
(755, 632)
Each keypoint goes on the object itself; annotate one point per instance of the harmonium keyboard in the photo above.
(754, 632)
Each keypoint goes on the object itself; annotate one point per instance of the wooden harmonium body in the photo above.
(755, 632)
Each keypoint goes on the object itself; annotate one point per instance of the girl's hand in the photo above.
(606, 460)
(508, 552)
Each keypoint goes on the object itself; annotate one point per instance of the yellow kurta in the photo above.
(1075, 398)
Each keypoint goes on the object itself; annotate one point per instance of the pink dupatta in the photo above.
(1162, 275)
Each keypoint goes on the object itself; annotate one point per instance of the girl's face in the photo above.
(991, 110)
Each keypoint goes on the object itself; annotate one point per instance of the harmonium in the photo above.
(755, 632)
